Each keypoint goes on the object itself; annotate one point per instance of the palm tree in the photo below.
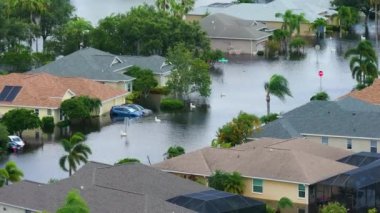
(317, 25)
(234, 183)
(277, 86)
(10, 173)
(363, 63)
(77, 152)
(174, 151)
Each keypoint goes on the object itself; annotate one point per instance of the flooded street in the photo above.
(241, 81)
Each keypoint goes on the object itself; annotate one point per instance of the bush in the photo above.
(160, 90)
(334, 207)
(47, 124)
(127, 160)
(132, 97)
(169, 104)
(63, 124)
(320, 96)
(228, 182)
(174, 151)
(332, 28)
(269, 118)
(260, 53)
(3, 138)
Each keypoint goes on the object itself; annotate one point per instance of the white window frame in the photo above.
(253, 186)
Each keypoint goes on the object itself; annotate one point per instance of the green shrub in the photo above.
(260, 53)
(334, 207)
(374, 210)
(132, 97)
(269, 118)
(320, 96)
(160, 90)
(332, 28)
(169, 104)
(63, 124)
(127, 160)
(174, 151)
(47, 125)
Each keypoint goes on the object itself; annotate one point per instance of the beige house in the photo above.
(44, 93)
(266, 13)
(233, 35)
(348, 123)
(272, 168)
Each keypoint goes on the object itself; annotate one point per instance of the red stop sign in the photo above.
(320, 73)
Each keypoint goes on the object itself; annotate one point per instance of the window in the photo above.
(37, 111)
(301, 191)
(257, 185)
(349, 143)
(374, 146)
(49, 112)
(325, 140)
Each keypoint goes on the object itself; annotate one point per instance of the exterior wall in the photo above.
(42, 112)
(190, 18)
(10, 209)
(161, 79)
(233, 46)
(120, 85)
(358, 145)
(106, 106)
(304, 28)
(275, 190)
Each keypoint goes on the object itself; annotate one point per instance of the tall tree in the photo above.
(363, 63)
(18, 120)
(229, 182)
(10, 173)
(189, 74)
(144, 81)
(76, 152)
(277, 86)
(74, 203)
(347, 16)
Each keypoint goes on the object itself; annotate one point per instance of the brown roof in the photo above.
(369, 94)
(46, 90)
(284, 162)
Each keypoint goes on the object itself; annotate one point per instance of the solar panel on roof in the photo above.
(13, 93)
(5, 92)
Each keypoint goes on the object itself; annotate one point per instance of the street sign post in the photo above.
(320, 74)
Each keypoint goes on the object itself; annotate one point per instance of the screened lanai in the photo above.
(358, 189)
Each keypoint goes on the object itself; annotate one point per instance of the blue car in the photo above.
(125, 111)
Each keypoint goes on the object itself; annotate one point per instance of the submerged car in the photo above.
(125, 111)
(15, 142)
(145, 111)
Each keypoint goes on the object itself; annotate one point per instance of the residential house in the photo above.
(266, 13)
(92, 64)
(157, 64)
(44, 93)
(272, 168)
(348, 123)
(233, 35)
(131, 187)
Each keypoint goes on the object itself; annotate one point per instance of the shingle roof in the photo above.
(46, 90)
(274, 161)
(88, 63)
(370, 94)
(132, 188)
(155, 63)
(347, 118)
(266, 12)
(220, 25)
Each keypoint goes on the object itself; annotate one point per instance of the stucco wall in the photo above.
(106, 106)
(190, 18)
(235, 46)
(120, 85)
(42, 111)
(358, 145)
(275, 190)
(304, 28)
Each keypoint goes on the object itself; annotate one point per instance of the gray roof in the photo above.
(220, 25)
(347, 117)
(135, 187)
(88, 63)
(312, 9)
(155, 63)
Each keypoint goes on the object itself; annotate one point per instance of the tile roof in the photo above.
(219, 25)
(132, 188)
(265, 158)
(46, 90)
(343, 118)
(370, 94)
(267, 12)
(88, 63)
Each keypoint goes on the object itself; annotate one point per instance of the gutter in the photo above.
(340, 136)
(20, 207)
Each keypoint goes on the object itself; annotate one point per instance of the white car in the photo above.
(15, 142)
